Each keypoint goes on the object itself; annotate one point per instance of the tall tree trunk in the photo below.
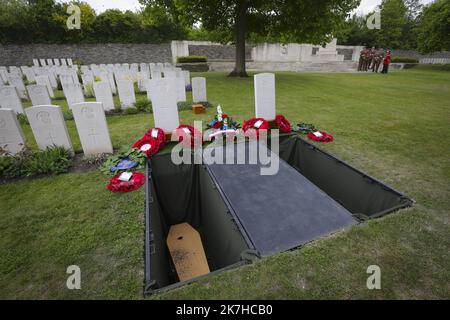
(241, 31)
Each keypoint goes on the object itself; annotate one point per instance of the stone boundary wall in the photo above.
(23, 55)
(218, 52)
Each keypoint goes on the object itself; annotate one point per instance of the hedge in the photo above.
(192, 59)
(405, 60)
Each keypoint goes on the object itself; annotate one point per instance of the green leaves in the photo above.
(53, 160)
(133, 154)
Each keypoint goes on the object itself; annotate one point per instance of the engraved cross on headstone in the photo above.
(93, 135)
(51, 137)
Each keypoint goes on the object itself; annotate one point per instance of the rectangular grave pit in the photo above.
(323, 195)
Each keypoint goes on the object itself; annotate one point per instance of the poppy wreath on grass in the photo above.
(326, 137)
(256, 124)
(283, 124)
(148, 145)
(158, 134)
(189, 136)
(136, 181)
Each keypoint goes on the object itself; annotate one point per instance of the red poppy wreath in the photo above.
(189, 136)
(283, 124)
(255, 124)
(320, 136)
(148, 145)
(135, 182)
(158, 134)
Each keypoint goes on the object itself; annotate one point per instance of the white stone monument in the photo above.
(48, 126)
(44, 80)
(11, 136)
(164, 102)
(38, 95)
(199, 89)
(103, 94)
(73, 93)
(16, 81)
(181, 89)
(92, 128)
(126, 93)
(265, 96)
(9, 99)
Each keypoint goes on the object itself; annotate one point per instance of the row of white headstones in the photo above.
(113, 79)
(49, 128)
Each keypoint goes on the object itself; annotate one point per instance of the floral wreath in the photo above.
(158, 134)
(136, 181)
(189, 136)
(148, 145)
(320, 136)
(255, 125)
(283, 124)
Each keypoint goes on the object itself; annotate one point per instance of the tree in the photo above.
(14, 19)
(88, 17)
(393, 22)
(355, 32)
(434, 27)
(295, 20)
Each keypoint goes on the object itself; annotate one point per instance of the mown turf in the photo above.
(395, 127)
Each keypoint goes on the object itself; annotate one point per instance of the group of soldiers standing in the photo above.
(371, 59)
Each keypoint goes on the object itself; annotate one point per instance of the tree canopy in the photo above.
(309, 21)
(44, 21)
(434, 27)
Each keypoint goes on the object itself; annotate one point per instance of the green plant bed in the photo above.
(53, 160)
(404, 60)
(192, 59)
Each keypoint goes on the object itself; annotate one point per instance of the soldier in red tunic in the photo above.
(386, 62)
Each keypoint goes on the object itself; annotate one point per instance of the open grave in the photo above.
(241, 215)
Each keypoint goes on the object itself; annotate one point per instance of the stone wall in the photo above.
(218, 52)
(19, 55)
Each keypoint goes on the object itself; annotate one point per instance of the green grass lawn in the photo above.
(395, 127)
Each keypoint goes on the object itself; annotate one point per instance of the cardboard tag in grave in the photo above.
(186, 249)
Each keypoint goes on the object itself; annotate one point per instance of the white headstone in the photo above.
(265, 96)
(73, 94)
(36, 62)
(92, 128)
(63, 62)
(187, 76)
(11, 136)
(199, 89)
(126, 93)
(70, 62)
(181, 89)
(164, 103)
(9, 99)
(103, 94)
(16, 81)
(156, 74)
(29, 74)
(45, 81)
(39, 95)
(65, 79)
(170, 74)
(42, 62)
(49, 62)
(56, 62)
(48, 126)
